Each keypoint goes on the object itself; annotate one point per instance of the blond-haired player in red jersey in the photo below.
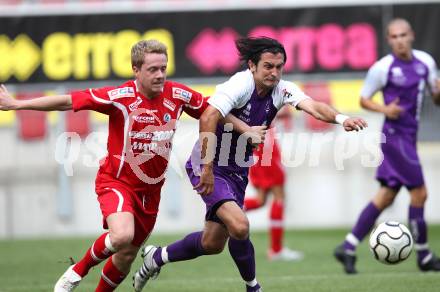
(142, 120)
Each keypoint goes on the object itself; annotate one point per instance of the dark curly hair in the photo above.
(251, 48)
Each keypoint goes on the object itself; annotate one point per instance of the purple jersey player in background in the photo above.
(401, 76)
(254, 96)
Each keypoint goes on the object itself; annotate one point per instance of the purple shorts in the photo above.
(227, 187)
(401, 164)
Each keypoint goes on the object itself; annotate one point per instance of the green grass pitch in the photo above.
(35, 265)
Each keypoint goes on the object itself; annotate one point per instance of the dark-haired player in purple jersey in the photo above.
(254, 96)
(402, 76)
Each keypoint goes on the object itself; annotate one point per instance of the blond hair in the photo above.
(143, 47)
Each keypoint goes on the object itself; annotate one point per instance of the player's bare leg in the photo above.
(426, 260)
(346, 252)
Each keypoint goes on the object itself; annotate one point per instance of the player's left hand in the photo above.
(206, 183)
(354, 124)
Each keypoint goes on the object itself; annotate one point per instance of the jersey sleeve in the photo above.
(432, 76)
(93, 99)
(373, 82)
(232, 93)
(289, 93)
(197, 111)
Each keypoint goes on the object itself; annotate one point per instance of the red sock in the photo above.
(99, 251)
(276, 226)
(251, 203)
(111, 277)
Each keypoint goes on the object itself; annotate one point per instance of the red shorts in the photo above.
(115, 196)
(267, 176)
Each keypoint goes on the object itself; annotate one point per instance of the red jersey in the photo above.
(140, 129)
(268, 171)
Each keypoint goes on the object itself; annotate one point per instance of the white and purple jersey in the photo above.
(239, 97)
(405, 80)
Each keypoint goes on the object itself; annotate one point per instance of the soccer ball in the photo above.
(391, 242)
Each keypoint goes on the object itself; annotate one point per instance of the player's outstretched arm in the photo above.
(326, 113)
(45, 103)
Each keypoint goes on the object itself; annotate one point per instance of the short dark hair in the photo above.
(251, 48)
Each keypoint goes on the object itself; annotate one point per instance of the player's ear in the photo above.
(252, 66)
(412, 35)
(135, 70)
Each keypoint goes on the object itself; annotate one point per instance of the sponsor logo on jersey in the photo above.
(144, 146)
(397, 71)
(121, 93)
(134, 106)
(140, 135)
(247, 110)
(286, 94)
(169, 104)
(397, 76)
(145, 119)
(166, 117)
(151, 149)
(156, 136)
(181, 94)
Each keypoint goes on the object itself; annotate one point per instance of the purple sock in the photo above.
(242, 251)
(188, 248)
(364, 224)
(418, 228)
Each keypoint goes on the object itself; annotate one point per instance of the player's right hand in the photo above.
(393, 110)
(6, 101)
(256, 135)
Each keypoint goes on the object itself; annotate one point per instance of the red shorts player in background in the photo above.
(268, 177)
(142, 120)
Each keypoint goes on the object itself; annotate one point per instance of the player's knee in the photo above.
(213, 246)
(419, 198)
(240, 230)
(127, 255)
(121, 239)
